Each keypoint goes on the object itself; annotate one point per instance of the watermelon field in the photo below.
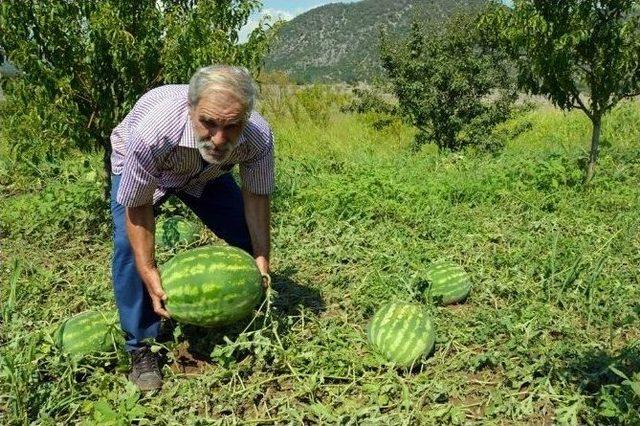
(549, 333)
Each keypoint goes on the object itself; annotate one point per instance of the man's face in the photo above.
(218, 121)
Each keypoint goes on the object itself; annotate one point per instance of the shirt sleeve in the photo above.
(258, 175)
(139, 175)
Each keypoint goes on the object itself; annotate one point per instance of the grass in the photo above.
(549, 333)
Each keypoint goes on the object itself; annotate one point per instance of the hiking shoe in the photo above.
(145, 372)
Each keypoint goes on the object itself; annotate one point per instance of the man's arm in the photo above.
(140, 224)
(257, 211)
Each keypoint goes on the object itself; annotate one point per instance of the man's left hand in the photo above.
(263, 266)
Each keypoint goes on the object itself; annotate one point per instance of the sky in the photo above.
(285, 10)
(296, 7)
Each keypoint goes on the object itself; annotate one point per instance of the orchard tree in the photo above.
(91, 60)
(452, 84)
(580, 54)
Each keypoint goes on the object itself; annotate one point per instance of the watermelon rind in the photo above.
(401, 332)
(211, 286)
(87, 333)
(449, 283)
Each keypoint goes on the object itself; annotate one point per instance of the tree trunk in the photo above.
(595, 146)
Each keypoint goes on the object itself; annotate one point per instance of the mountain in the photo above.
(339, 42)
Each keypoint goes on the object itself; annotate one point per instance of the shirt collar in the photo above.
(188, 139)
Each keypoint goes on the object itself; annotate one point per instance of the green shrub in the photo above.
(71, 203)
(38, 133)
(452, 84)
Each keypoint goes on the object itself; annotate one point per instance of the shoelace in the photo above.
(145, 361)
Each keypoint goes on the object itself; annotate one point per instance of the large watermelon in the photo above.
(449, 283)
(88, 332)
(211, 286)
(176, 230)
(402, 332)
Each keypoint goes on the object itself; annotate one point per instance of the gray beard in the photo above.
(207, 147)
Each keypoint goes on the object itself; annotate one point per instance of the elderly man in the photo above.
(184, 140)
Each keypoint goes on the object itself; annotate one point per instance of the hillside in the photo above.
(339, 42)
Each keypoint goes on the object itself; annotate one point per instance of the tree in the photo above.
(93, 59)
(582, 54)
(451, 84)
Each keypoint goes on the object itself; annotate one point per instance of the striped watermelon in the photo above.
(402, 332)
(176, 230)
(88, 332)
(449, 283)
(211, 286)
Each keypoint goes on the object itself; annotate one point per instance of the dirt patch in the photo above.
(187, 362)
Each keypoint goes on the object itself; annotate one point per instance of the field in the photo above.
(548, 335)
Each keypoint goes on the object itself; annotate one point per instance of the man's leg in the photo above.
(137, 318)
(221, 209)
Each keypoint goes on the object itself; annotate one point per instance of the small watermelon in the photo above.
(88, 332)
(449, 283)
(402, 332)
(211, 286)
(176, 230)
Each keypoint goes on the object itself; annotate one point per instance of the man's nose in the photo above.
(220, 138)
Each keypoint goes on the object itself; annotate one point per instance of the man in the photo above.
(184, 140)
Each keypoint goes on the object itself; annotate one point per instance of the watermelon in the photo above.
(88, 332)
(449, 283)
(211, 286)
(176, 230)
(402, 332)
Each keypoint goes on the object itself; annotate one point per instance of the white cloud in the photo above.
(272, 16)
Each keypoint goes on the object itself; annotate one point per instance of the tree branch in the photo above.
(617, 99)
(580, 104)
(581, 107)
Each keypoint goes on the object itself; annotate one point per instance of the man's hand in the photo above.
(257, 211)
(140, 225)
(263, 266)
(156, 292)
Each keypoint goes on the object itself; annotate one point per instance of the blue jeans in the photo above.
(220, 208)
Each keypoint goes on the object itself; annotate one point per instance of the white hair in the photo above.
(232, 80)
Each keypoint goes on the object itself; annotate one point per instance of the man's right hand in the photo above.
(153, 283)
(140, 225)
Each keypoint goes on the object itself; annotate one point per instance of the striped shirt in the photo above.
(155, 150)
